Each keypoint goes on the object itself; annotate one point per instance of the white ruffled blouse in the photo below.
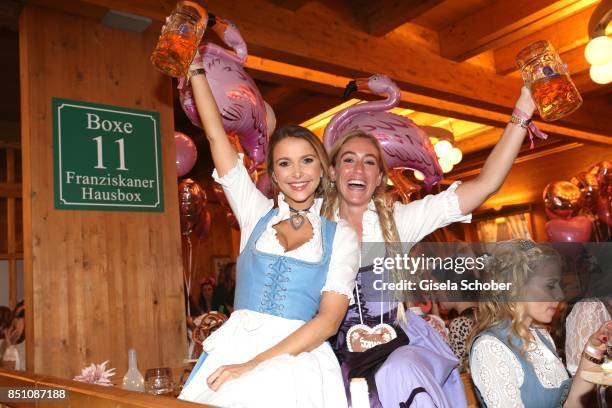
(417, 219)
(250, 205)
(498, 374)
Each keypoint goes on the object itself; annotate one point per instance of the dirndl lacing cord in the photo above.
(275, 293)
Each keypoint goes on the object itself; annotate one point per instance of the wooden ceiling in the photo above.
(452, 58)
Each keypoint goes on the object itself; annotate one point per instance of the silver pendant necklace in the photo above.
(297, 217)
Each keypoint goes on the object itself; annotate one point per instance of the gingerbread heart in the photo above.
(360, 337)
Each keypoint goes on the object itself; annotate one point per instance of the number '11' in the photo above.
(100, 164)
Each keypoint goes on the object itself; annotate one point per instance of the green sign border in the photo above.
(61, 203)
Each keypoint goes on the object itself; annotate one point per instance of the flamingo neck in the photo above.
(391, 101)
(218, 51)
(331, 131)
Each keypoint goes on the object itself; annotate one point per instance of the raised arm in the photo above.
(474, 192)
(246, 201)
(223, 153)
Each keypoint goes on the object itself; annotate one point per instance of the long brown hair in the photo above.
(299, 132)
(512, 261)
(384, 207)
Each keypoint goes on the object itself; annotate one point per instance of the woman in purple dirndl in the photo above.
(417, 368)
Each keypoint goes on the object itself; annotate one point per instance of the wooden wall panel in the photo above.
(97, 283)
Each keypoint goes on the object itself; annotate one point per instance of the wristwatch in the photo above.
(194, 72)
(591, 358)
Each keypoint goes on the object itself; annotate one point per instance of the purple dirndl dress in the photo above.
(417, 369)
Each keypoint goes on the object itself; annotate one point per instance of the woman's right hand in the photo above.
(525, 102)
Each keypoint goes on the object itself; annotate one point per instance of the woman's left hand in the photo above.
(228, 372)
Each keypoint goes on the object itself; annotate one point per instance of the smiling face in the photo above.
(357, 171)
(297, 171)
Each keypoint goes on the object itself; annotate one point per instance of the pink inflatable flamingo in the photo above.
(404, 144)
(240, 103)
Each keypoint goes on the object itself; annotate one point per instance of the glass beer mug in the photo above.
(180, 38)
(547, 77)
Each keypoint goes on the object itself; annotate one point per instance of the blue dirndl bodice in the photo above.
(280, 285)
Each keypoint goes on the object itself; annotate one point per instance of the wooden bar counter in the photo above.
(85, 395)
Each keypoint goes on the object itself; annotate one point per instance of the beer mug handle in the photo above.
(526, 78)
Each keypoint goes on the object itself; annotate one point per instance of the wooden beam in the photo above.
(471, 165)
(384, 16)
(479, 141)
(292, 5)
(502, 23)
(564, 36)
(337, 51)
(280, 93)
(333, 84)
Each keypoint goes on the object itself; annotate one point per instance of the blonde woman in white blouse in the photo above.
(586, 317)
(513, 360)
(294, 278)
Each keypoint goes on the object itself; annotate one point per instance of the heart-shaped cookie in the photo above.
(361, 337)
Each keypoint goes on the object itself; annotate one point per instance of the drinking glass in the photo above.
(158, 381)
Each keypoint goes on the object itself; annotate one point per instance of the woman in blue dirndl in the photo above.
(295, 277)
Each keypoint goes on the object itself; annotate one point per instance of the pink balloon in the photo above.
(604, 209)
(577, 229)
(241, 106)
(551, 215)
(404, 144)
(270, 119)
(192, 199)
(186, 153)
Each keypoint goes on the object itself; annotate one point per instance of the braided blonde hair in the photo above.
(384, 207)
(512, 261)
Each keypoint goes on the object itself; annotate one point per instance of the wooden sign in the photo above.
(106, 158)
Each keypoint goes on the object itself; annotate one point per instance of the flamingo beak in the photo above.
(362, 84)
(212, 20)
(354, 86)
(217, 24)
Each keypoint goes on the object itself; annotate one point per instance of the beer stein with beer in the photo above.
(548, 79)
(180, 38)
